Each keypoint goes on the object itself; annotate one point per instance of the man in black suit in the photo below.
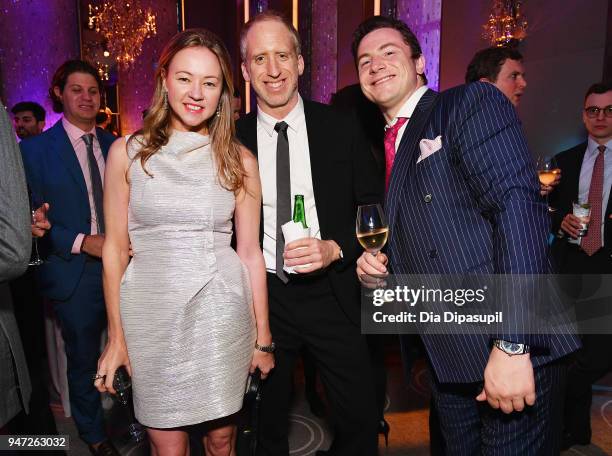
(587, 176)
(307, 148)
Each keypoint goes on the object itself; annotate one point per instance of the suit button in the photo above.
(433, 253)
(427, 198)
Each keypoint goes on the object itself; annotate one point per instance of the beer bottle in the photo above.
(299, 212)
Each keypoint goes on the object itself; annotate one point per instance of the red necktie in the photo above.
(390, 137)
(591, 243)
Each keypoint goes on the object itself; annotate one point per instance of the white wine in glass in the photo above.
(373, 241)
(372, 228)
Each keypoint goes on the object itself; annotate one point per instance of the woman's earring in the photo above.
(165, 100)
(218, 110)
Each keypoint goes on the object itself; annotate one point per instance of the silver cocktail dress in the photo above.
(186, 303)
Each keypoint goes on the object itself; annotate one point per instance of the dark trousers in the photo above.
(594, 359)
(588, 365)
(305, 312)
(472, 428)
(82, 319)
(29, 313)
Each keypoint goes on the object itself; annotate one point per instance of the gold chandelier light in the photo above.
(124, 25)
(506, 23)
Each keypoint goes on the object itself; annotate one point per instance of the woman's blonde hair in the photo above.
(156, 130)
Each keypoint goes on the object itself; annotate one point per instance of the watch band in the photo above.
(265, 348)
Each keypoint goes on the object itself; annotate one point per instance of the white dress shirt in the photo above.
(300, 174)
(406, 111)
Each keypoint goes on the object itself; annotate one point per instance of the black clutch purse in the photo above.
(246, 441)
(123, 385)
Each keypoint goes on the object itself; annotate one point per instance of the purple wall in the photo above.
(36, 37)
(324, 65)
(424, 18)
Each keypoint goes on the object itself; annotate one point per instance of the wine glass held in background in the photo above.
(40, 224)
(372, 228)
(549, 175)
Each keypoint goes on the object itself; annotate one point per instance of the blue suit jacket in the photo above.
(55, 176)
(472, 207)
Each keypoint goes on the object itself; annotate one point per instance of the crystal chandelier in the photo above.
(124, 25)
(506, 23)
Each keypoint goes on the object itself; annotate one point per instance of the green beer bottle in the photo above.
(299, 213)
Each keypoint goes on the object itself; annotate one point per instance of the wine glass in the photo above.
(372, 232)
(547, 174)
(372, 228)
(35, 259)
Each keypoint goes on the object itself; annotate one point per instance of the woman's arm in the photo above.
(247, 219)
(115, 257)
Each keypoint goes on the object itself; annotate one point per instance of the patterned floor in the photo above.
(407, 414)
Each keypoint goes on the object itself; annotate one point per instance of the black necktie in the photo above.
(96, 181)
(283, 195)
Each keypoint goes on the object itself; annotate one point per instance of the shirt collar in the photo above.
(294, 119)
(592, 146)
(410, 105)
(75, 133)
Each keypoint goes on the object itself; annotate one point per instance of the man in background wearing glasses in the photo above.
(587, 176)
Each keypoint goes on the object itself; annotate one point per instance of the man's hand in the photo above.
(571, 224)
(92, 245)
(546, 189)
(319, 254)
(509, 384)
(40, 222)
(370, 268)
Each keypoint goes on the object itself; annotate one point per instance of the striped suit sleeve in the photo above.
(493, 156)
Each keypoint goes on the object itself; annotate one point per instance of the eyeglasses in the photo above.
(592, 112)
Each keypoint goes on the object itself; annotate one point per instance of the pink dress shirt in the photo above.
(80, 149)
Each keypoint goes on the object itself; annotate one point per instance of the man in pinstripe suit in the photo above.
(468, 203)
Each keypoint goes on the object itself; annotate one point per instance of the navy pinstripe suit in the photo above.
(471, 207)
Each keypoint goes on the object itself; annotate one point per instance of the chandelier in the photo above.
(124, 24)
(506, 23)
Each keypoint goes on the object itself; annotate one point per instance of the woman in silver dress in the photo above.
(188, 315)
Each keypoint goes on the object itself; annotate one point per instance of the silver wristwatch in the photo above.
(511, 348)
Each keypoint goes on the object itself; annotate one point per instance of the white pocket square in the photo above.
(429, 147)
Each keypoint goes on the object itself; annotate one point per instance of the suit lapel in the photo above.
(316, 144)
(405, 158)
(62, 146)
(575, 177)
(248, 131)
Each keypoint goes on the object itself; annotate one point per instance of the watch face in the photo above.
(511, 347)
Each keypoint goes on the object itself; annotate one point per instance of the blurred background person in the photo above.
(587, 177)
(65, 168)
(28, 118)
(502, 67)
